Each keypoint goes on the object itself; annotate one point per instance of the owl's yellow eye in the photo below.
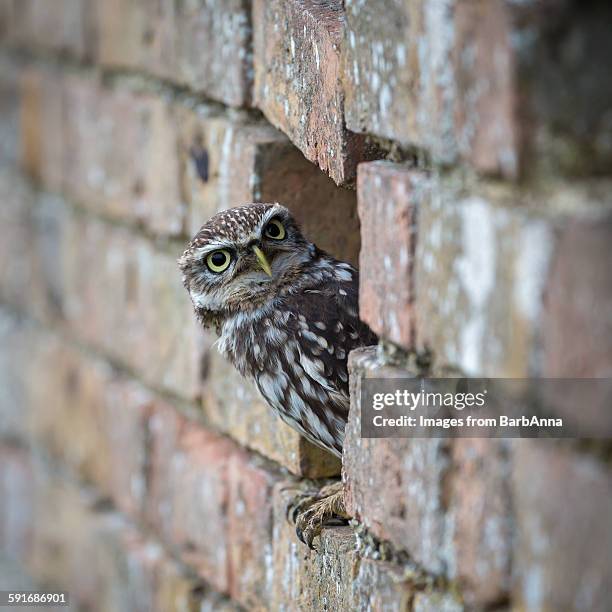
(275, 230)
(218, 261)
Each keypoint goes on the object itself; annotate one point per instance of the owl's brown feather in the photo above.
(290, 333)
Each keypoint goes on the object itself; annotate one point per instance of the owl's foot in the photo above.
(312, 510)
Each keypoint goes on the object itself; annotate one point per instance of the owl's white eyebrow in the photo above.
(273, 212)
(214, 246)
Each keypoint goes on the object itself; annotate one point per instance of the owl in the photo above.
(285, 311)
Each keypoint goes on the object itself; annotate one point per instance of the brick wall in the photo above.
(459, 150)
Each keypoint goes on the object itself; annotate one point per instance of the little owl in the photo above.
(287, 316)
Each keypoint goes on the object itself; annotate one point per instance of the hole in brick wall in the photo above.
(327, 213)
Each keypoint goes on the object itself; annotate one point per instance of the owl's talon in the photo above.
(310, 513)
(295, 506)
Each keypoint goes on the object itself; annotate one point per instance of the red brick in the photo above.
(480, 503)
(121, 148)
(562, 502)
(188, 497)
(149, 325)
(483, 81)
(106, 441)
(127, 570)
(481, 266)
(297, 81)
(249, 529)
(396, 487)
(66, 538)
(205, 46)
(146, 578)
(113, 150)
(445, 502)
(577, 327)
(389, 198)
(488, 130)
(334, 575)
(397, 73)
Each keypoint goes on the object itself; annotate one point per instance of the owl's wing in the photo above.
(323, 325)
(325, 320)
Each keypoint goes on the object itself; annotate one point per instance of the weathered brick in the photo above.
(333, 576)
(562, 502)
(381, 586)
(445, 502)
(149, 324)
(146, 578)
(389, 197)
(449, 76)
(204, 45)
(106, 441)
(188, 496)
(126, 570)
(212, 502)
(397, 73)
(577, 318)
(298, 572)
(450, 279)
(65, 538)
(61, 266)
(480, 512)
(396, 487)
(30, 248)
(297, 81)
(249, 528)
(482, 275)
(487, 128)
(65, 27)
(121, 153)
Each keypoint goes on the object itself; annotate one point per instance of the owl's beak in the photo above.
(263, 262)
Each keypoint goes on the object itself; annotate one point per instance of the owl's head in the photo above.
(242, 258)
